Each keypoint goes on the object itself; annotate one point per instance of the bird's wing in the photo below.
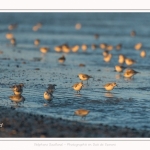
(108, 84)
(75, 85)
(85, 76)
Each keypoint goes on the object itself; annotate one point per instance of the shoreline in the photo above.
(19, 124)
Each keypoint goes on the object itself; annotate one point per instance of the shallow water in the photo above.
(127, 105)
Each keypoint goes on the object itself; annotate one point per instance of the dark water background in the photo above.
(127, 105)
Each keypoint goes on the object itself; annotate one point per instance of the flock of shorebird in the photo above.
(65, 48)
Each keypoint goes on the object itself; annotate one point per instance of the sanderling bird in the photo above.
(36, 42)
(103, 46)
(12, 26)
(107, 58)
(17, 98)
(138, 46)
(61, 59)
(78, 26)
(121, 59)
(93, 46)
(84, 47)
(75, 48)
(81, 112)
(37, 26)
(51, 88)
(65, 48)
(143, 53)
(17, 89)
(44, 50)
(109, 47)
(77, 86)
(84, 77)
(118, 47)
(110, 86)
(119, 68)
(105, 53)
(58, 48)
(132, 33)
(48, 96)
(13, 41)
(9, 36)
(129, 61)
(129, 73)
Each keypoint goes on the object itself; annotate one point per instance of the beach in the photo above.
(39, 49)
(19, 124)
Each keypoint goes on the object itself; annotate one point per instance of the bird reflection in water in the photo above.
(118, 76)
(78, 94)
(109, 94)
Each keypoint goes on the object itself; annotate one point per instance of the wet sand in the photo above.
(19, 124)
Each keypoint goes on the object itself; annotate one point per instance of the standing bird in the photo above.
(48, 96)
(58, 48)
(133, 33)
(61, 59)
(107, 58)
(143, 53)
(17, 98)
(44, 50)
(12, 26)
(36, 42)
(129, 61)
(110, 86)
(37, 26)
(84, 77)
(138, 46)
(84, 47)
(105, 53)
(17, 89)
(118, 47)
(81, 112)
(119, 68)
(75, 48)
(9, 36)
(121, 59)
(13, 41)
(93, 46)
(103, 46)
(77, 86)
(130, 73)
(109, 47)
